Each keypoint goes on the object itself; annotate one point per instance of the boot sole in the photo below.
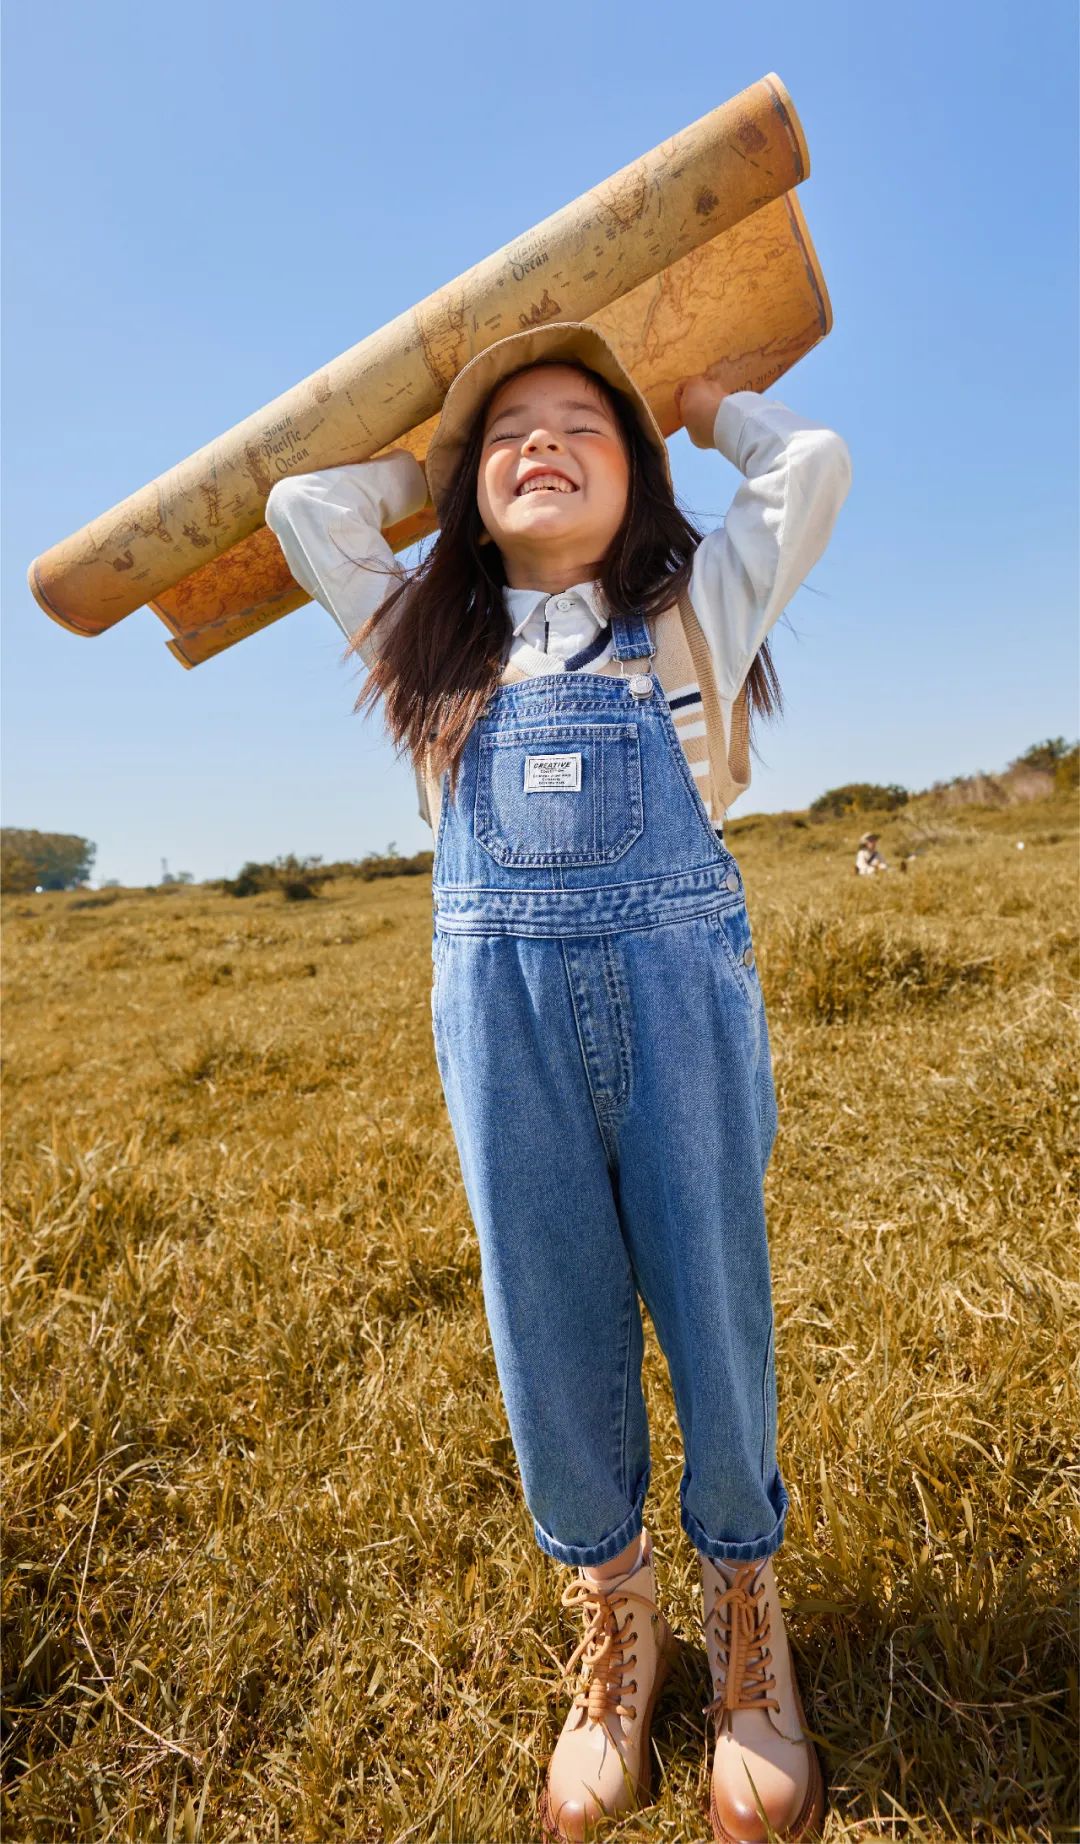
(811, 1813)
(666, 1656)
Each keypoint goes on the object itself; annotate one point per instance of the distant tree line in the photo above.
(390, 863)
(299, 879)
(1049, 767)
(44, 860)
(62, 861)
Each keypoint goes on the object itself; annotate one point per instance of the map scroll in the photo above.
(695, 255)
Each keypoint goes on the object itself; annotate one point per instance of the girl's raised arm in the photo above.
(330, 524)
(777, 527)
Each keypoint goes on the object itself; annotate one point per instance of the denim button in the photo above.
(731, 882)
(748, 958)
(640, 686)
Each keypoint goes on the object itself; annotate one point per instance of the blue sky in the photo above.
(202, 207)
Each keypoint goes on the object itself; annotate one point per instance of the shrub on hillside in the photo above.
(389, 863)
(1067, 771)
(859, 797)
(298, 879)
(1044, 769)
(1016, 784)
(1046, 756)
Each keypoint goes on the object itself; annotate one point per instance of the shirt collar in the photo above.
(521, 603)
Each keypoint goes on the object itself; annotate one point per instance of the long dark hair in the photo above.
(440, 657)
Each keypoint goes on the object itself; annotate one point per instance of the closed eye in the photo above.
(509, 435)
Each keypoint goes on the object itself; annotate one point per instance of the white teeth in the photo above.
(547, 483)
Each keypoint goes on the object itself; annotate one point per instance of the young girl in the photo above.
(573, 669)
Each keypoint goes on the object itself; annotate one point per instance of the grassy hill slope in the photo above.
(268, 1572)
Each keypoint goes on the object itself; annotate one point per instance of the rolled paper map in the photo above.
(752, 302)
(709, 177)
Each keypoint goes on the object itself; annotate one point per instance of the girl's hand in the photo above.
(697, 400)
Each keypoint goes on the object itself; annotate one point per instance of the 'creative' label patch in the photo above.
(552, 774)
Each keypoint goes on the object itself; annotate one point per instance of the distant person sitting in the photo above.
(868, 859)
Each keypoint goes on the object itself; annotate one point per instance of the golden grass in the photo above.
(268, 1572)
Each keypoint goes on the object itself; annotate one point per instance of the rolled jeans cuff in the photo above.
(756, 1551)
(590, 1555)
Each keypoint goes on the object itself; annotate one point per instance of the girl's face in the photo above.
(554, 472)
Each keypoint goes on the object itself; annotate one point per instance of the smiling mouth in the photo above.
(545, 483)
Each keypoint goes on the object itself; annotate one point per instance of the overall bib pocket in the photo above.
(559, 794)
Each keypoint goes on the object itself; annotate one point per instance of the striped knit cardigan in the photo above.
(714, 734)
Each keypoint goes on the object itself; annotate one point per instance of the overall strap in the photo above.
(630, 637)
(729, 747)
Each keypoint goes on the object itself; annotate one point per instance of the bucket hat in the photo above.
(566, 340)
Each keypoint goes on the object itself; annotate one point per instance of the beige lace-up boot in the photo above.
(601, 1763)
(763, 1763)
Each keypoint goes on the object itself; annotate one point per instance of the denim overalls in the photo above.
(601, 1040)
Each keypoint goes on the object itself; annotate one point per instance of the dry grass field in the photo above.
(268, 1573)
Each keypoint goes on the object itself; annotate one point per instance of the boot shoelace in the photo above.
(742, 1630)
(603, 1650)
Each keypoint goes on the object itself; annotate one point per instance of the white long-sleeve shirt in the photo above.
(329, 525)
